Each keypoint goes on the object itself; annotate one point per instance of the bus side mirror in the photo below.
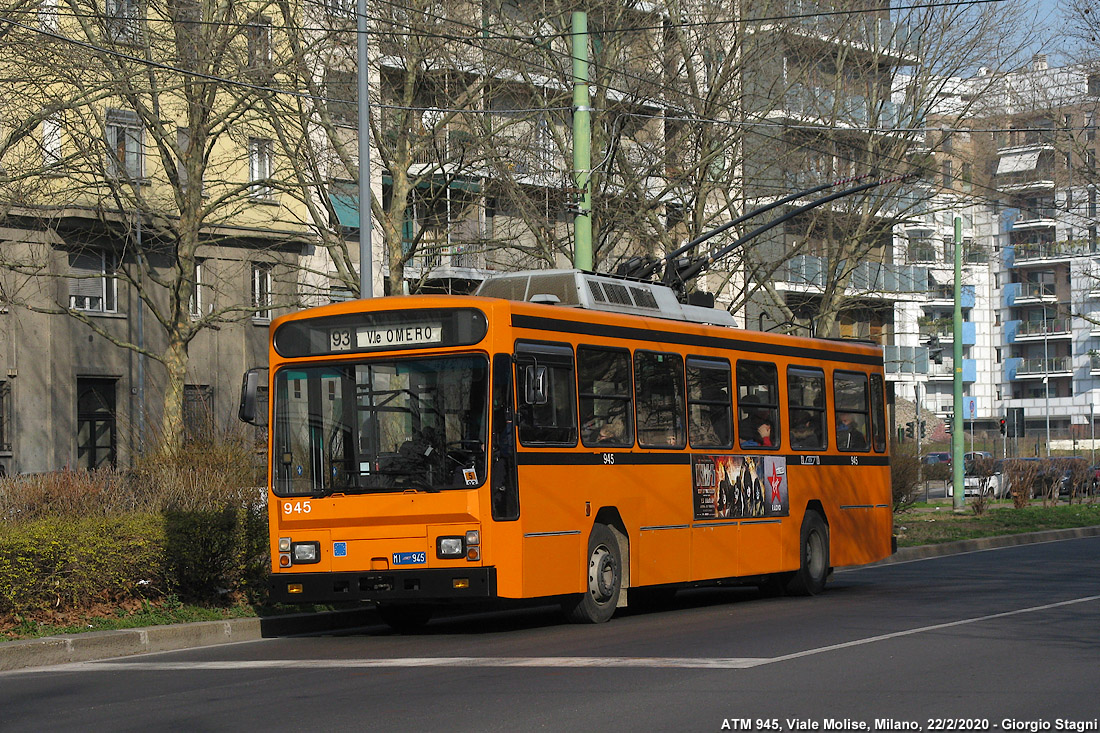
(251, 410)
(535, 385)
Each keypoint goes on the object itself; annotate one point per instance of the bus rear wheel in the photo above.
(405, 618)
(813, 570)
(604, 580)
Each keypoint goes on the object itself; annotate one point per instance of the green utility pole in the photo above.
(958, 433)
(582, 145)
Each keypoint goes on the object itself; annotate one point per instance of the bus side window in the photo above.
(710, 423)
(850, 403)
(605, 387)
(758, 405)
(878, 414)
(550, 419)
(659, 394)
(806, 408)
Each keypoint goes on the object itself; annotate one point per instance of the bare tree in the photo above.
(135, 126)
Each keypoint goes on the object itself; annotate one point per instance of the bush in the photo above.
(192, 524)
(904, 471)
(63, 563)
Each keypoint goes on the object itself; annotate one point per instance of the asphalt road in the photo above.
(1004, 639)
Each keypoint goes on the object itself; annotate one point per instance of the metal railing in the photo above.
(1043, 328)
(1053, 364)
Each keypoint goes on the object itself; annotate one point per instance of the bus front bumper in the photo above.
(449, 584)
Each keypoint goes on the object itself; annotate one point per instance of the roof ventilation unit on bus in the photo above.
(581, 289)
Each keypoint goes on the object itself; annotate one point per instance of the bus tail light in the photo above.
(284, 559)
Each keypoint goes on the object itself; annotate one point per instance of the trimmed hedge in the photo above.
(65, 564)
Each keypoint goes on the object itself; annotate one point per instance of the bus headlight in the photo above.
(306, 552)
(450, 547)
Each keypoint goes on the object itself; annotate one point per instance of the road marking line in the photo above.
(933, 627)
(117, 665)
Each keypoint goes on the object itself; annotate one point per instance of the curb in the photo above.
(922, 552)
(94, 645)
(67, 648)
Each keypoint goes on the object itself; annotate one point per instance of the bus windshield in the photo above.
(417, 423)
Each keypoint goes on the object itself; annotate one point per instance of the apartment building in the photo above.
(1018, 169)
(146, 236)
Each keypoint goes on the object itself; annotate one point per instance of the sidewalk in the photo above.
(62, 649)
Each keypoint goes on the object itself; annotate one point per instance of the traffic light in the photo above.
(1004, 426)
(948, 424)
(935, 351)
(922, 428)
(909, 430)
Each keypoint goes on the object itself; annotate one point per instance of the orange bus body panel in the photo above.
(544, 551)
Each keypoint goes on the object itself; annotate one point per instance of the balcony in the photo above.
(433, 258)
(1094, 364)
(1037, 330)
(814, 272)
(943, 294)
(1029, 293)
(946, 371)
(946, 333)
(905, 359)
(1038, 368)
(1032, 251)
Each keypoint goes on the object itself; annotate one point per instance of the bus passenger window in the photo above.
(710, 424)
(806, 406)
(551, 422)
(757, 405)
(605, 389)
(850, 403)
(659, 392)
(878, 413)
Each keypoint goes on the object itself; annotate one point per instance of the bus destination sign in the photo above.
(406, 334)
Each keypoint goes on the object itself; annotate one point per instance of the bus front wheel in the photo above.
(813, 570)
(604, 578)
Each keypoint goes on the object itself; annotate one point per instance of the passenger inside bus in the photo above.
(850, 433)
(756, 423)
(606, 432)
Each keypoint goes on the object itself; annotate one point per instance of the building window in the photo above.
(183, 142)
(341, 94)
(51, 141)
(340, 8)
(261, 156)
(93, 284)
(5, 416)
(47, 16)
(261, 290)
(997, 351)
(96, 434)
(1094, 85)
(198, 411)
(948, 176)
(259, 46)
(123, 20)
(198, 304)
(1090, 126)
(125, 156)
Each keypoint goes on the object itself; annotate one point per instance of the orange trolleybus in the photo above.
(562, 435)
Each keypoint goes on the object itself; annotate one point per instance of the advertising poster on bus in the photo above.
(739, 487)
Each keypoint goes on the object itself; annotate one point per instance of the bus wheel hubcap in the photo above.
(601, 575)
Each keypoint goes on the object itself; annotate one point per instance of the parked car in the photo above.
(936, 457)
(979, 473)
